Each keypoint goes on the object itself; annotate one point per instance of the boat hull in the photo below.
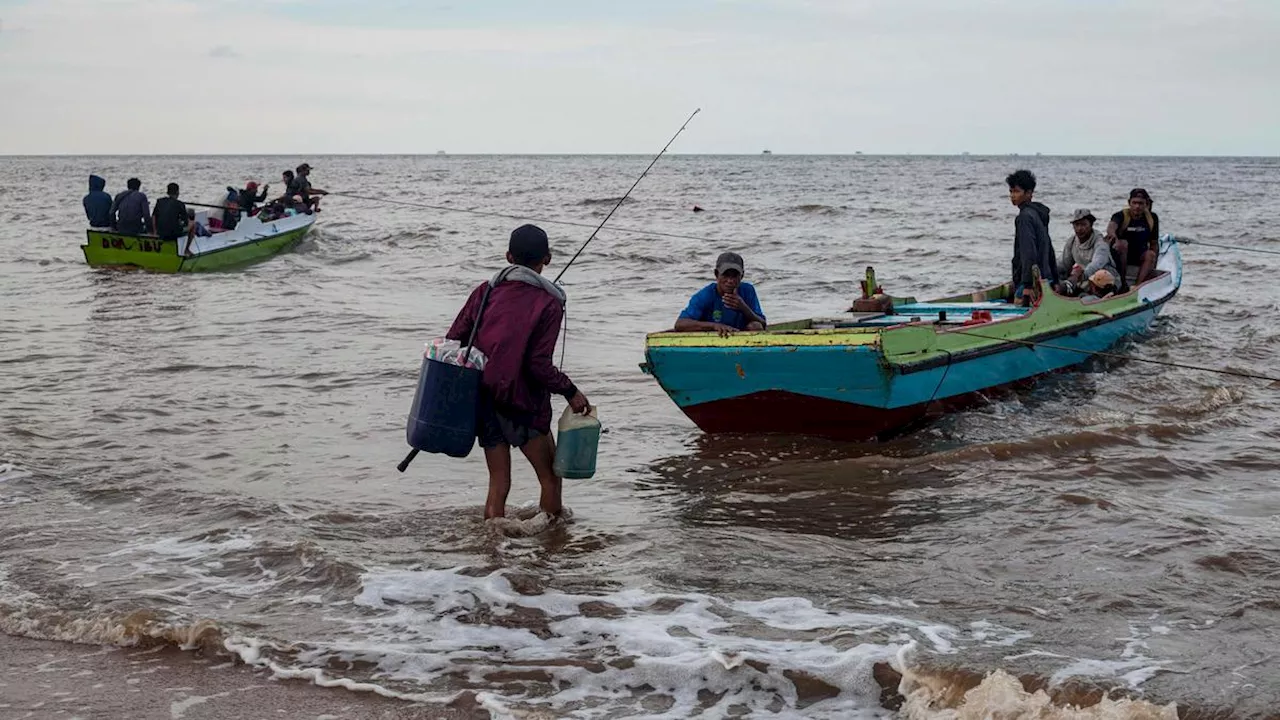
(251, 244)
(864, 383)
(870, 413)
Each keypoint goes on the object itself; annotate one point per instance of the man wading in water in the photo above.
(518, 335)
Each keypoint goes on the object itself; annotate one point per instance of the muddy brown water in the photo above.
(210, 459)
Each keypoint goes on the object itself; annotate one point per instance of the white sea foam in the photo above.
(429, 635)
(186, 549)
(634, 651)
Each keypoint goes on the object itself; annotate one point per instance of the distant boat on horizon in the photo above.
(767, 152)
(440, 152)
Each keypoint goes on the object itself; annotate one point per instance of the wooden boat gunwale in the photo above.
(784, 334)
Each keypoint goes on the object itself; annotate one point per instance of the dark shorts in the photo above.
(497, 426)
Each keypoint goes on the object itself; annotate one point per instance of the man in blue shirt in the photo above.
(726, 305)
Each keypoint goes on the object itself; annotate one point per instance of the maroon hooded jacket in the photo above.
(518, 335)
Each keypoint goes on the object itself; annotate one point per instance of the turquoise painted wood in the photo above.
(698, 375)
(861, 375)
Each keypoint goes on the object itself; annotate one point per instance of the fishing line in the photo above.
(924, 411)
(1229, 247)
(625, 196)
(508, 217)
(564, 346)
(597, 228)
(1119, 356)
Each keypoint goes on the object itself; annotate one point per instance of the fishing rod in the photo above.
(404, 464)
(625, 196)
(564, 347)
(1120, 356)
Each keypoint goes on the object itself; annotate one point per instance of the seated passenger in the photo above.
(287, 178)
(726, 305)
(197, 228)
(1134, 234)
(170, 215)
(1085, 253)
(301, 186)
(249, 197)
(1101, 284)
(228, 216)
(97, 204)
(273, 210)
(131, 211)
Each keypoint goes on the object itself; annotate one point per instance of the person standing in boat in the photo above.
(518, 335)
(726, 305)
(170, 218)
(1134, 234)
(1032, 247)
(97, 204)
(131, 211)
(1085, 253)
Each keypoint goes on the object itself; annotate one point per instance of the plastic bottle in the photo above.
(577, 439)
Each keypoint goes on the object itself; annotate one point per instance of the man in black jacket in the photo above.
(170, 216)
(1031, 244)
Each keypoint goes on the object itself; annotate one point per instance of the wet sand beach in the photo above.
(44, 679)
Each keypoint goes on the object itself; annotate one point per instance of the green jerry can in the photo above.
(577, 439)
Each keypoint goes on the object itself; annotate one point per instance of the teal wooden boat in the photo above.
(872, 374)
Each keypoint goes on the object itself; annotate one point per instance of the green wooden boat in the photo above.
(864, 375)
(252, 240)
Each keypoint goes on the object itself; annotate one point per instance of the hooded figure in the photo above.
(97, 204)
(1032, 246)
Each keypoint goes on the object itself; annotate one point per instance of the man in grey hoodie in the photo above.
(1085, 253)
(1031, 245)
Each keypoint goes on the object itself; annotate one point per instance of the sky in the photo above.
(1089, 77)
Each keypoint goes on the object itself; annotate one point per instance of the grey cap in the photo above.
(1083, 214)
(730, 261)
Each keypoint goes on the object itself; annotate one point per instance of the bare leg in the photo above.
(1122, 250)
(541, 453)
(498, 459)
(1148, 266)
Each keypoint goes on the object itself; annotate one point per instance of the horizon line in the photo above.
(637, 154)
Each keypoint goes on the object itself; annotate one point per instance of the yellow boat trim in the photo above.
(796, 338)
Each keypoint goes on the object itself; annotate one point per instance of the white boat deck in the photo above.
(248, 230)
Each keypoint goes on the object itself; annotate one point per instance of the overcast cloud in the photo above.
(584, 76)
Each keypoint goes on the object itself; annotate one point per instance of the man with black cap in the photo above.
(726, 305)
(300, 185)
(518, 334)
(1134, 234)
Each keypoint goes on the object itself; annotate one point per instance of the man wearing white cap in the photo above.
(726, 305)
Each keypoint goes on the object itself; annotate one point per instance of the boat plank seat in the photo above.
(933, 308)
